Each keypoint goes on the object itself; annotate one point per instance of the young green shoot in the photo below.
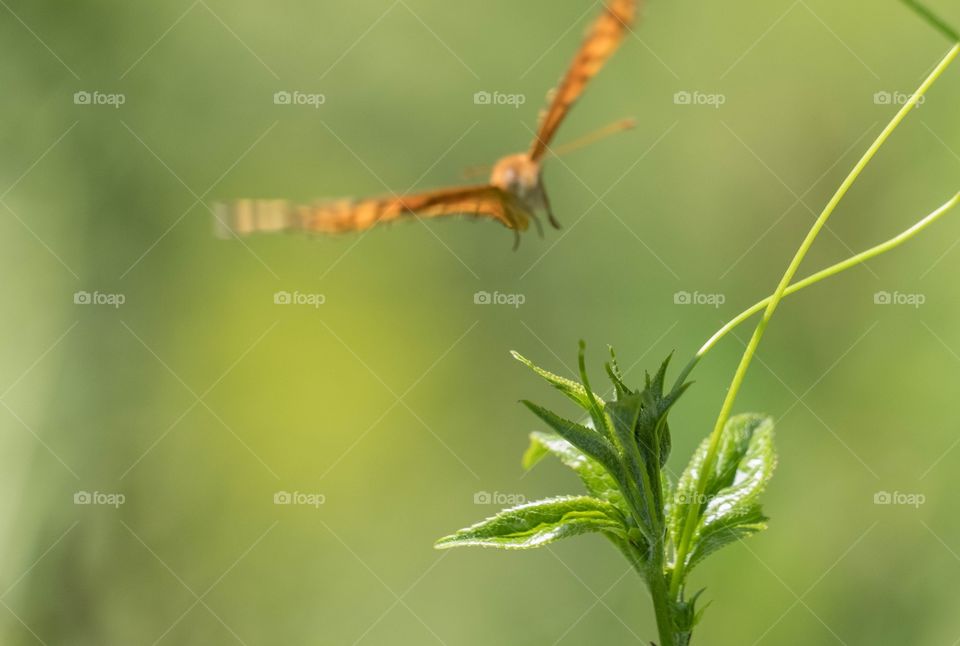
(620, 451)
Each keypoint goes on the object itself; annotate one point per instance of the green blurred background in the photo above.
(199, 398)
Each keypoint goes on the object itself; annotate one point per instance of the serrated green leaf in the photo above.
(636, 452)
(575, 391)
(656, 384)
(616, 376)
(540, 523)
(727, 509)
(624, 415)
(586, 439)
(639, 424)
(725, 529)
(595, 478)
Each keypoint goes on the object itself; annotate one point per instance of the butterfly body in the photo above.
(522, 176)
(519, 175)
(515, 192)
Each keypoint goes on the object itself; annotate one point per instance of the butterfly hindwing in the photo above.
(243, 217)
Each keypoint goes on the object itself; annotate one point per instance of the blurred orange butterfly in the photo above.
(513, 195)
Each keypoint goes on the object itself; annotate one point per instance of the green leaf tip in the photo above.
(539, 523)
(616, 375)
(582, 365)
(535, 452)
(573, 390)
(595, 404)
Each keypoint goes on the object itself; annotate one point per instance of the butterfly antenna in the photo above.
(592, 138)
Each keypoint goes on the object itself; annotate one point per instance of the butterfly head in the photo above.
(521, 176)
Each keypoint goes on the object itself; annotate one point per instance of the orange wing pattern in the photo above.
(244, 217)
(602, 41)
(498, 202)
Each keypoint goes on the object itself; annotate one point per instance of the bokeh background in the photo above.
(198, 399)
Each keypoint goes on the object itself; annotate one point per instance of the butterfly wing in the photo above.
(243, 217)
(602, 41)
(482, 201)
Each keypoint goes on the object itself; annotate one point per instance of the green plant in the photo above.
(666, 529)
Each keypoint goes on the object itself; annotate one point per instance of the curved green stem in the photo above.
(774, 302)
(935, 21)
(833, 270)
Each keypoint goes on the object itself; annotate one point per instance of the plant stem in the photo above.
(933, 19)
(660, 594)
(833, 270)
(653, 571)
(774, 302)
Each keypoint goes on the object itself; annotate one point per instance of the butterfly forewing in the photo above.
(603, 39)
